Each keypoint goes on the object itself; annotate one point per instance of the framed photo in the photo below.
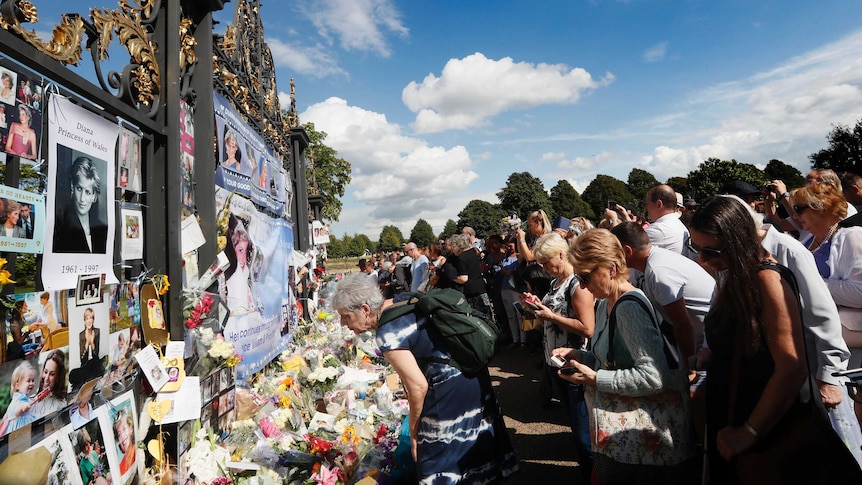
(89, 290)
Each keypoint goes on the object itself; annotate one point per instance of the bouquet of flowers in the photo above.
(509, 223)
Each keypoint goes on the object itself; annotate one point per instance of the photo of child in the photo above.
(23, 385)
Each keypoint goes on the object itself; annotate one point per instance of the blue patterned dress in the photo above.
(462, 436)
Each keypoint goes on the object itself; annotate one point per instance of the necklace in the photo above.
(815, 245)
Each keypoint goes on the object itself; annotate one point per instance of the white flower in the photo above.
(221, 349)
(323, 374)
(206, 336)
(205, 459)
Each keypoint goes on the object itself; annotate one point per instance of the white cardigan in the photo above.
(845, 267)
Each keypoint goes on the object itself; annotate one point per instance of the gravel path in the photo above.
(541, 434)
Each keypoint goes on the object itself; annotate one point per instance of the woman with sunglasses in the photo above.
(838, 253)
(639, 407)
(754, 331)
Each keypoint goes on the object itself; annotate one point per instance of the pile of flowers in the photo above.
(319, 414)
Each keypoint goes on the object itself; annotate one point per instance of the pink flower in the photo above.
(325, 476)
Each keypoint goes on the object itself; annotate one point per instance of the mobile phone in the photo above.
(612, 205)
(532, 305)
(558, 361)
(519, 308)
(568, 370)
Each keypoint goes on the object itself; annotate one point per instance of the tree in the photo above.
(28, 178)
(566, 202)
(390, 239)
(711, 176)
(639, 182)
(336, 247)
(778, 170)
(358, 245)
(679, 184)
(330, 174)
(422, 234)
(605, 188)
(483, 216)
(450, 229)
(844, 153)
(522, 195)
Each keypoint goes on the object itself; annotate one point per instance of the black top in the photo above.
(468, 264)
(69, 236)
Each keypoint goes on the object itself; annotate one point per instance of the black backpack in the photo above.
(466, 334)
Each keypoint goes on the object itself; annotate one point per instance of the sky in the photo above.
(436, 103)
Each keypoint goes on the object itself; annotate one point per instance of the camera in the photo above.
(612, 205)
(769, 187)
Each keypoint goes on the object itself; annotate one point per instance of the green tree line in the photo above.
(525, 193)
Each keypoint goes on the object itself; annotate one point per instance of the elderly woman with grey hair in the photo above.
(466, 261)
(456, 427)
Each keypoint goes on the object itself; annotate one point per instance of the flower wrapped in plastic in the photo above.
(206, 459)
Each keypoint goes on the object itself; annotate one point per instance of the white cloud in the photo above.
(552, 156)
(313, 61)
(474, 89)
(359, 25)
(656, 53)
(586, 163)
(783, 113)
(396, 178)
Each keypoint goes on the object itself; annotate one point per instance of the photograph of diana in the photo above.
(81, 209)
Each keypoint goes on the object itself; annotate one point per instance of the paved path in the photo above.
(541, 435)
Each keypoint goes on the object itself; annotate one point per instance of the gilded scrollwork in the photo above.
(128, 23)
(131, 24)
(187, 44)
(244, 67)
(65, 44)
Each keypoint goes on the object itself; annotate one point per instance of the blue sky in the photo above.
(436, 103)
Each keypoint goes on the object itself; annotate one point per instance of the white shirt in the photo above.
(418, 267)
(670, 233)
(669, 276)
(823, 337)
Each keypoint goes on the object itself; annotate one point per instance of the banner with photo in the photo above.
(246, 165)
(25, 220)
(79, 235)
(21, 103)
(253, 285)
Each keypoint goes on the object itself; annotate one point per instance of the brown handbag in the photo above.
(802, 448)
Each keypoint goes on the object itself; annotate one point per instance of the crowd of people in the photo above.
(696, 341)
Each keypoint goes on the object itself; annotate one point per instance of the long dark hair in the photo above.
(58, 390)
(738, 293)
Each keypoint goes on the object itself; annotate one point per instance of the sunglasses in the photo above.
(800, 209)
(706, 252)
(584, 278)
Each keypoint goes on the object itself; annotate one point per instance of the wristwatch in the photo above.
(783, 196)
